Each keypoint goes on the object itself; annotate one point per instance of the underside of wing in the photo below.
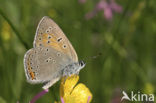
(44, 64)
(49, 34)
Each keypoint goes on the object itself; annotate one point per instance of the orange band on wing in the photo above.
(53, 42)
(32, 75)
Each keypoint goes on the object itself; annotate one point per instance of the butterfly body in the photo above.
(52, 56)
(73, 68)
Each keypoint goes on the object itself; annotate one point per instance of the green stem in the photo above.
(14, 29)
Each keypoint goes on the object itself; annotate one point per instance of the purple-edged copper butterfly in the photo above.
(51, 57)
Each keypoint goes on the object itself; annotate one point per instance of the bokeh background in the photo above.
(124, 31)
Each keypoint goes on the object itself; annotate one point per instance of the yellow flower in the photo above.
(72, 93)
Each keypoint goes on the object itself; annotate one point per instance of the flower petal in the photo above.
(81, 93)
(74, 94)
(108, 13)
(67, 85)
(117, 8)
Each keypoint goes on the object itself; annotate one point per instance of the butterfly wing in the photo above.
(51, 53)
(43, 64)
(49, 34)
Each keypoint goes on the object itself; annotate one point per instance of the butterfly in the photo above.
(51, 57)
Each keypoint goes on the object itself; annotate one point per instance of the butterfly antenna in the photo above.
(92, 57)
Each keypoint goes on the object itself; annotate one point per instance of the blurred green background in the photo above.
(127, 42)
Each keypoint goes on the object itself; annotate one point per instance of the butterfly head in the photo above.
(81, 64)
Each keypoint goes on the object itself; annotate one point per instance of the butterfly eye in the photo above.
(81, 63)
(47, 49)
